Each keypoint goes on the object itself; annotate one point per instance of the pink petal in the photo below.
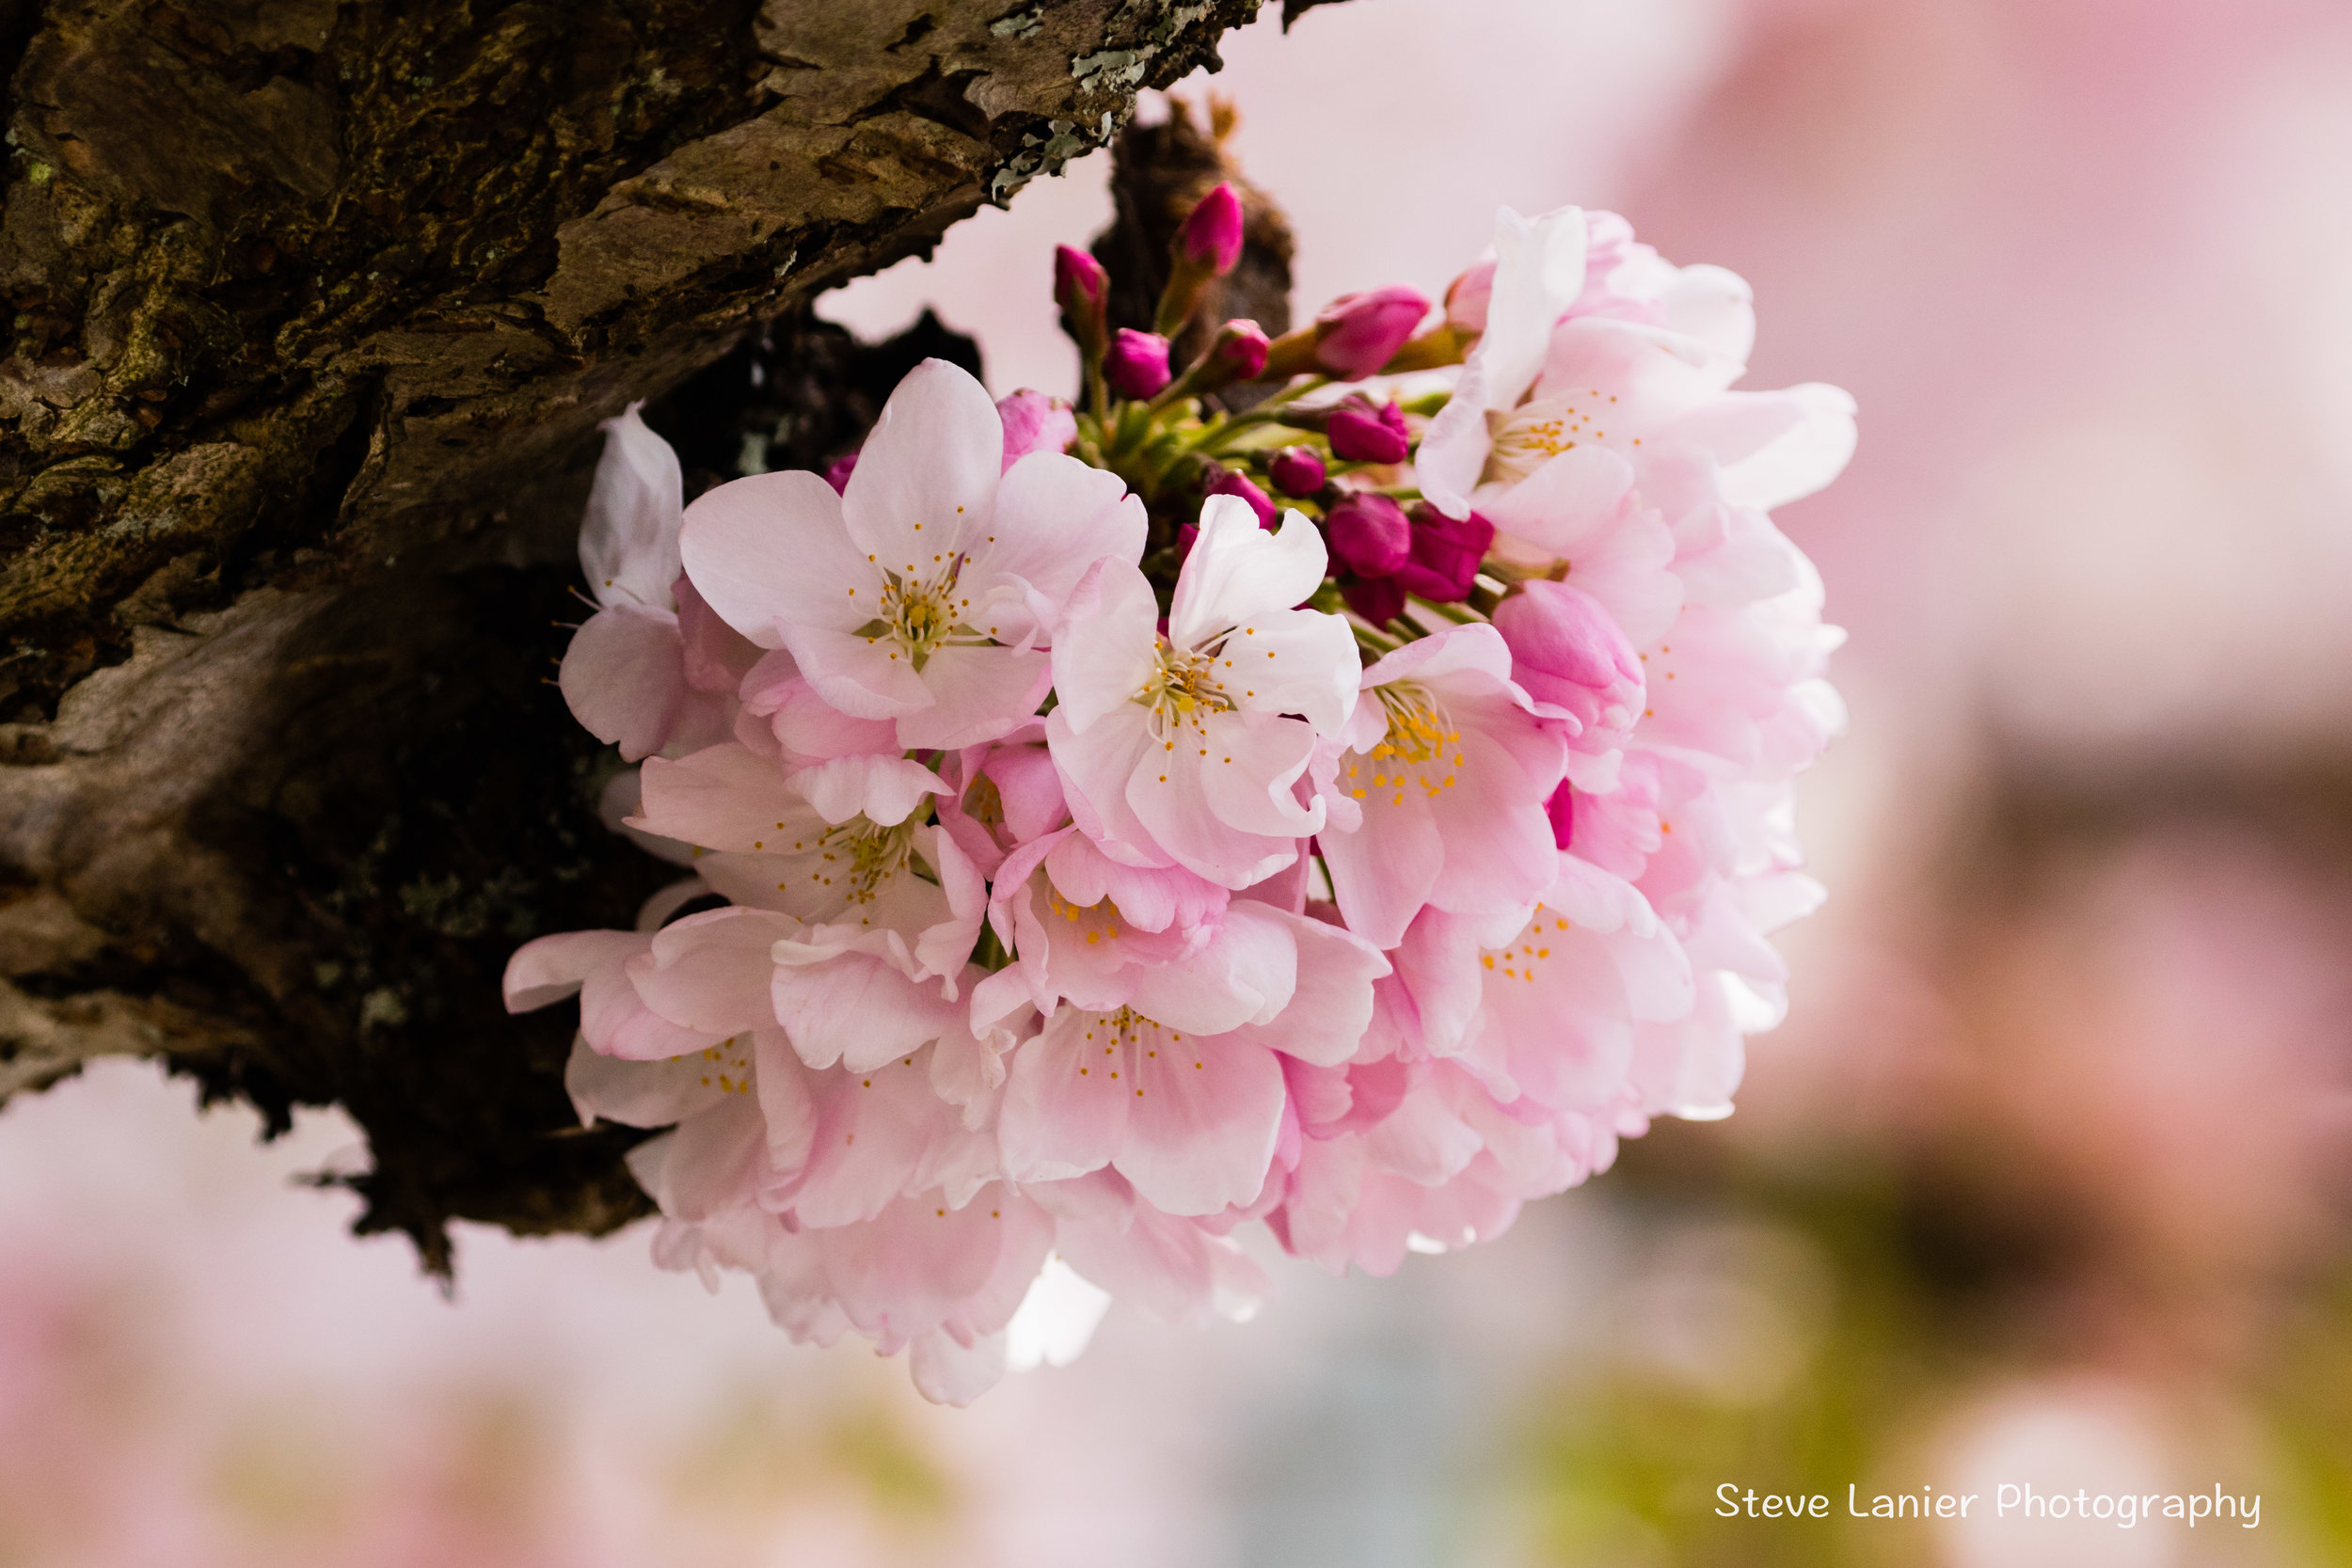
(624, 677)
(855, 1009)
(1200, 1131)
(926, 479)
(724, 798)
(770, 552)
(1059, 1121)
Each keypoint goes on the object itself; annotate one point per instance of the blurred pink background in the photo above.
(2046, 1174)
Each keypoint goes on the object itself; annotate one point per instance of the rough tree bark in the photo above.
(311, 308)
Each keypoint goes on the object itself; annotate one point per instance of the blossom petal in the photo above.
(926, 479)
(857, 1010)
(1201, 1127)
(1238, 571)
(977, 694)
(770, 552)
(629, 537)
(1106, 651)
(624, 677)
(1056, 516)
(1060, 1117)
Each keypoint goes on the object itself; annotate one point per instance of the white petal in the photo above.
(770, 552)
(1237, 570)
(628, 539)
(926, 480)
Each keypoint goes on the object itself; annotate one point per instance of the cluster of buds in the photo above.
(1250, 418)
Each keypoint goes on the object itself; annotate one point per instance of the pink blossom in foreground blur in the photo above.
(1094, 887)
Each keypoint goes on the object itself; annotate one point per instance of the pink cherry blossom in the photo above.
(1184, 749)
(1607, 346)
(1439, 797)
(925, 592)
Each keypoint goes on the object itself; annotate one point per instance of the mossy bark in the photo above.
(311, 308)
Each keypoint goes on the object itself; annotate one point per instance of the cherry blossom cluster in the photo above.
(1092, 855)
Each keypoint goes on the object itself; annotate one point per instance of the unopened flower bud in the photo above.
(1359, 433)
(1210, 236)
(1137, 366)
(1080, 284)
(1357, 334)
(1083, 289)
(837, 472)
(1035, 422)
(1296, 471)
(1227, 483)
(1239, 351)
(1369, 534)
(1446, 554)
(1378, 600)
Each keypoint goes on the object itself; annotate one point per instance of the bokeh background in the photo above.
(2045, 1177)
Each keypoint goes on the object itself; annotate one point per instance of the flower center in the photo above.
(1533, 945)
(861, 856)
(1526, 437)
(920, 615)
(1421, 749)
(1183, 689)
(1130, 1028)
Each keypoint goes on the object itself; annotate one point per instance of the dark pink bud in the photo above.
(1370, 534)
(1240, 350)
(1137, 366)
(838, 473)
(1231, 483)
(1361, 434)
(1296, 471)
(1080, 284)
(1446, 554)
(1567, 650)
(1378, 600)
(1561, 808)
(1035, 422)
(1210, 236)
(1357, 334)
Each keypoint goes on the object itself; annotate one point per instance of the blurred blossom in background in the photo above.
(2045, 1177)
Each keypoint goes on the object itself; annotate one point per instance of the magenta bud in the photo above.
(1227, 483)
(1035, 422)
(1361, 434)
(1210, 236)
(1357, 334)
(1370, 534)
(1567, 650)
(1446, 554)
(1561, 808)
(1137, 366)
(1296, 471)
(1240, 350)
(837, 472)
(1378, 600)
(1080, 284)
